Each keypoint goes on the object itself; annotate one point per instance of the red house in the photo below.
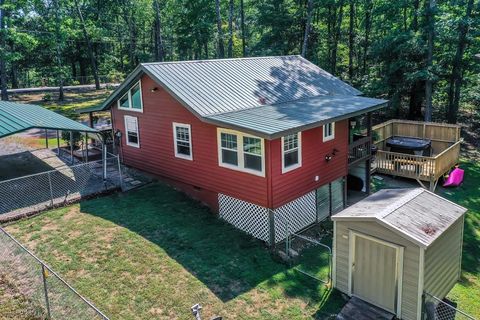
(260, 140)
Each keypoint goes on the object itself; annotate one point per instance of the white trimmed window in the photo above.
(329, 131)
(182, 138)
(131, 131)
(291, 152)
(132, 99)
(241, 151)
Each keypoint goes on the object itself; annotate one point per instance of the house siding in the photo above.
(293, 184)
(156, 152)
(410, 261)
(442, 261)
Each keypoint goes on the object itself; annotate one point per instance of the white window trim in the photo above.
(136, 145)
(332, 136)
(181, 155)
(299, 164)
(129, 93)
(240, 153)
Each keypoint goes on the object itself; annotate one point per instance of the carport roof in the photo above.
(17, 117)
(415, 214)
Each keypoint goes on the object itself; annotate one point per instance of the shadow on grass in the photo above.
(226, 260)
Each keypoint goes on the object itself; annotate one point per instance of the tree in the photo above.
(59, 51)
(456, 76)
(89, 46)
(242, 22)
(308, 24)
(429, 81)
(221, 50)
(3, 69)
(351, 38)
(230, 30)
(159, 50)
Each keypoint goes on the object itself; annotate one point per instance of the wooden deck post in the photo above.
(46, 139)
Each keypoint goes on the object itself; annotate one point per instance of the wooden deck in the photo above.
(357, 309)
(445, 140)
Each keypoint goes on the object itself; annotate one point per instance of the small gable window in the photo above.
(132, 99)
(131, 131)
(291, 152)
(329, 131)
(182, 141)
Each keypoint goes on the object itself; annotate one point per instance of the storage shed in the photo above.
(395, 245)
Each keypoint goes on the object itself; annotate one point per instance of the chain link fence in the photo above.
(48, 294)
(26, 195)
(437, 309)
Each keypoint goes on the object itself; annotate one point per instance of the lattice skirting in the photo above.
(295, 215)
(245, 216)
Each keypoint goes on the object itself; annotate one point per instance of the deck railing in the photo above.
(445, 140)
(360, 150)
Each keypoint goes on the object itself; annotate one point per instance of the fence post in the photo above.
(51, 188)
(47, 302)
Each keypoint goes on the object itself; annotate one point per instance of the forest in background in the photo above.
(416, 53)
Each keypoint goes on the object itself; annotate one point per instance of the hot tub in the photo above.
(409, 145)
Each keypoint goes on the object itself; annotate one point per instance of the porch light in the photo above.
(328, 157)
(153, 89)
(353, 123)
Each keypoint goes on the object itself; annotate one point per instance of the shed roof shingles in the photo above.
(418, 214)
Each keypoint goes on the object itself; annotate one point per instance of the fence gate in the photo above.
(311, 257)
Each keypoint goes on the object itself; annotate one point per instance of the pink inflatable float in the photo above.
(455, 178)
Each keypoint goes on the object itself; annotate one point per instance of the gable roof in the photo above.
(416, 214)
(17, 117)
(226, 86)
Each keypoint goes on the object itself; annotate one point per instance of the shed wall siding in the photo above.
(156, 152)
(410, 261)
(293, 184)
(442, 261)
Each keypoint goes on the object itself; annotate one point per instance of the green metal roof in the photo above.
(17, 117)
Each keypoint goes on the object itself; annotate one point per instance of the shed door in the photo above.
(374, 272)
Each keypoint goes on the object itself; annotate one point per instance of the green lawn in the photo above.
(13, 305)
(467, 291)
(154, 253)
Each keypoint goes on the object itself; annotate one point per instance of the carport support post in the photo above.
(71, 147)
(104, 161)
(46, 139)
(368, 163)
(86, 146)
(58, 143)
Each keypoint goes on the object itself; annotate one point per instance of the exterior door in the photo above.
(375, 270)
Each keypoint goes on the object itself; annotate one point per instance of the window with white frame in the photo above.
(182, 141)
(132, 99)
(291, 152)
(240, 151)
(131, 131)
(328, 131)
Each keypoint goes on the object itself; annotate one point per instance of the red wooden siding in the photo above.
(293, 184)
(156, 152)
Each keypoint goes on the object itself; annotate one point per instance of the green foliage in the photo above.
(75, 141)
(386, 41)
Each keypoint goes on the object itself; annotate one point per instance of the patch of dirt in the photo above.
(14, 305)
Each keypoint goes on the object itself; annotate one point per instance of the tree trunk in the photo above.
(429, 83)
(242, 22)
(159, 50)
(416, 5)
(351, 38)
(221, 49)
(89, 46)
(230, 30)
(338, 29)
(308, 25)
(61, 95)
(3, 41)
(457, 69)
(368, 23)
